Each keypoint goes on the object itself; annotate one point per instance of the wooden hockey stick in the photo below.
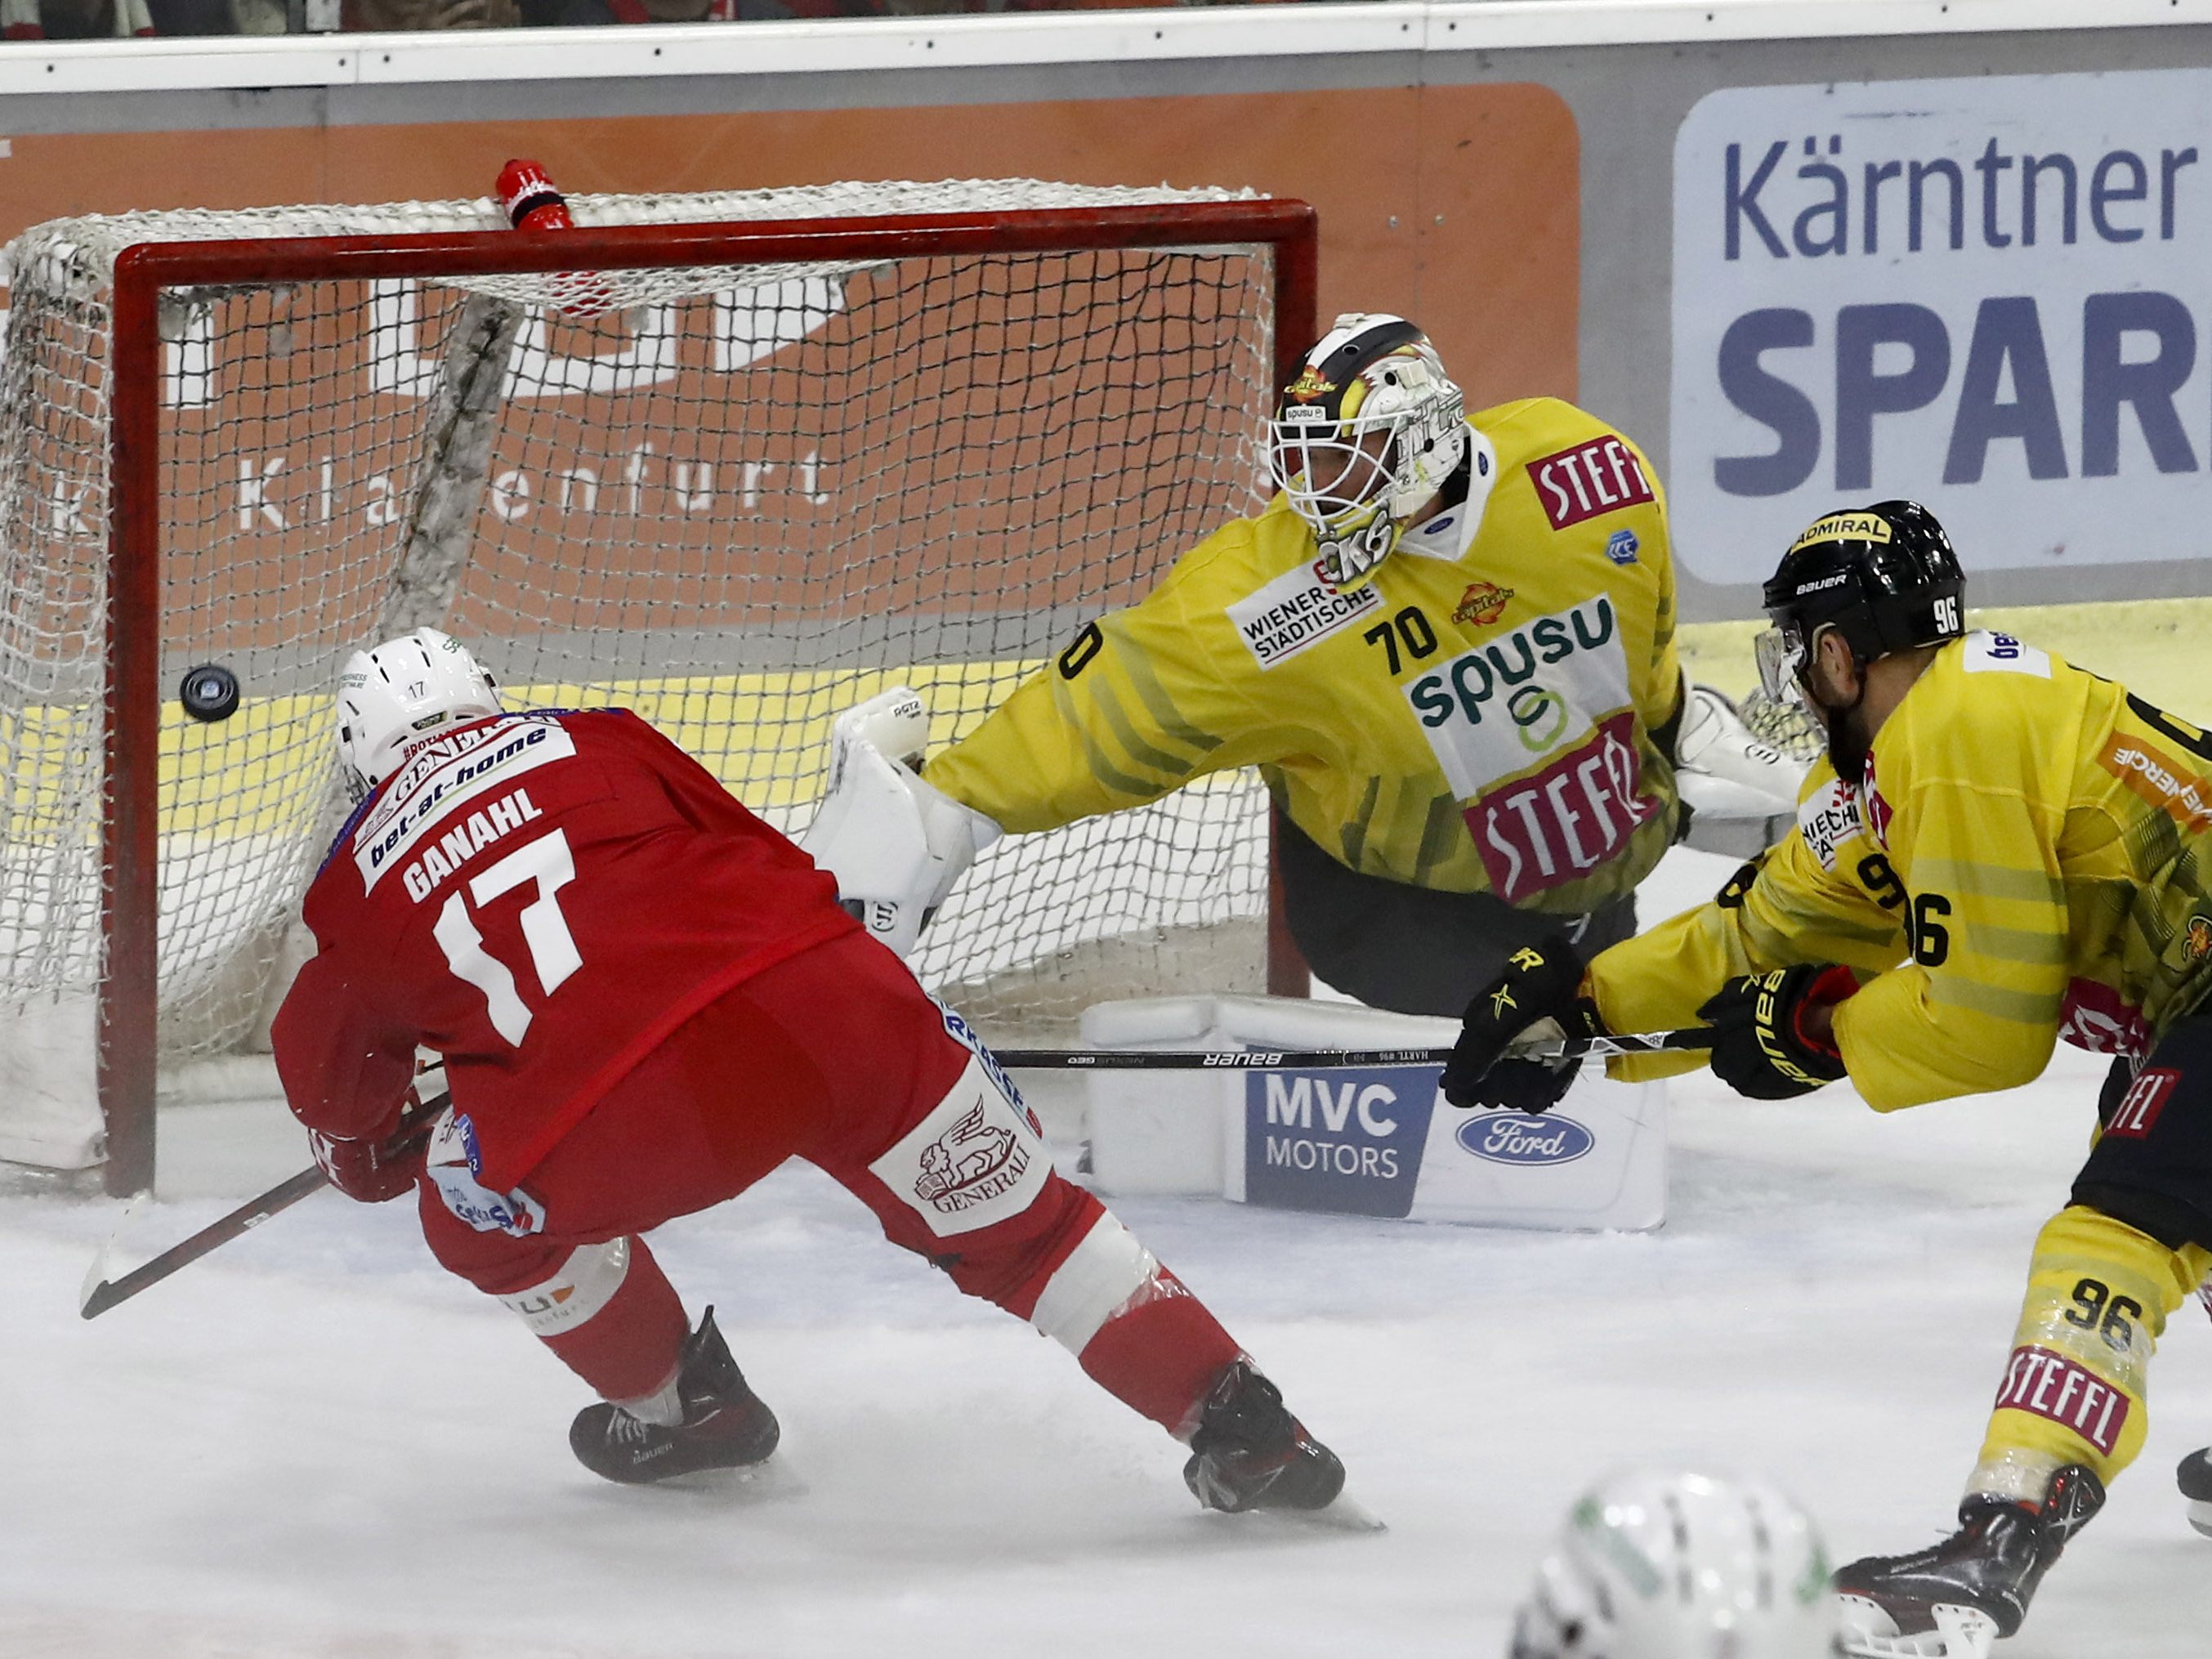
(100, 1293)
(1137, 1060)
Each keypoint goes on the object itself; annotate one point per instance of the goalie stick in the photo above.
(1133, 1059)
(100, 1293)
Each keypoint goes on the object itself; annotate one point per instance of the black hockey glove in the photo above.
(1538, 996)
(1761, 1046)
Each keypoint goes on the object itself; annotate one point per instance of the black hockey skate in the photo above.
(1990, 1567)
(725, 1426)
(1249, 1452)
(2194, 1478)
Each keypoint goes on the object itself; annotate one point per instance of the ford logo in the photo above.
(1517, 1138)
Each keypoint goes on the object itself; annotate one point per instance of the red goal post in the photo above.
(149, 276)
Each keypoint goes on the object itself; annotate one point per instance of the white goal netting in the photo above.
(735, 499)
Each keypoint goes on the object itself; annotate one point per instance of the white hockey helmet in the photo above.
(1657, 1563)
(402, 692)
(1363, 438)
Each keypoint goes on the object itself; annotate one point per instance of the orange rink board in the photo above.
(1458, 206)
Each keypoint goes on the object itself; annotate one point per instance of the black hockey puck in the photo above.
(209, 692)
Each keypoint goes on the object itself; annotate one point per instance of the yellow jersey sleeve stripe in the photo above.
(1995, 1002)
(1134, 742)
(1168, 719)
(1094, 755)
(1440, 833)
(1355, 833)
(1988, 880)
(1792, 911)
(2040, 947)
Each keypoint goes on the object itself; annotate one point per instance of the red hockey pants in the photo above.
(838, 1057)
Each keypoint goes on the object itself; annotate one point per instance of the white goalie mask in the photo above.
(404, 692)
(1364, 437)
(1669, 1564)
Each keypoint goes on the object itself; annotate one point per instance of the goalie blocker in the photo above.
(896, 845)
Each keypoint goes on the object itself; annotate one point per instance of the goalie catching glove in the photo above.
(1539, 997)
(1740, 786)
(1767, 1043)
(896, 845)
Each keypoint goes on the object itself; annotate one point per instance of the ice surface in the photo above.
(315, 1443)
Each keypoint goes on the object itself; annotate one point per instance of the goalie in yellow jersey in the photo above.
(2002, 850)
(1447, 645)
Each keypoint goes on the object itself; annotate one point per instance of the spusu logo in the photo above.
(1516, 1137)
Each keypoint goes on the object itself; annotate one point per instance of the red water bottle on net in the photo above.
(527, 195)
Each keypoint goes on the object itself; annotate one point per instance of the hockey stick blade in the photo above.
(100, 1293)
(95, 1276)
(99, 1297)
(1136, 1060)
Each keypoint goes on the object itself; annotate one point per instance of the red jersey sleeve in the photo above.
(694, 791)
(541, 898)
(346, 1066)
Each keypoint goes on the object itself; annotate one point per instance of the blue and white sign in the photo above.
(1346, 1141)
(1991, 295)
(1519, 1138)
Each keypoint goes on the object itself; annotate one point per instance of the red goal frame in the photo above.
(130, 831)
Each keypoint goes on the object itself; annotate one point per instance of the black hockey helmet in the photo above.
(1885, 577)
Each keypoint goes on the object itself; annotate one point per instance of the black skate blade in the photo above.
(770, 1482)
(1347, 1514)
(1344, 1513)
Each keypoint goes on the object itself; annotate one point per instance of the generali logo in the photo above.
(970, 1164)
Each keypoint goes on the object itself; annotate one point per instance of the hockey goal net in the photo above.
(736, 461)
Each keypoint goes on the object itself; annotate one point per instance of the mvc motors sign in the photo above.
(1346, 1141)
(1990, 295)
(1381, 1143)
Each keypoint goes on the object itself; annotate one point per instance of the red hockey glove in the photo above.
(1538, 995)
(375, 1168)
(1763, 1045)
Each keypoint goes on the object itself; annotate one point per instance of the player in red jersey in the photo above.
(646, 1000)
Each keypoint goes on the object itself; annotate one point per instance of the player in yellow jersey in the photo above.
(2001, 850)
(1447, 645)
